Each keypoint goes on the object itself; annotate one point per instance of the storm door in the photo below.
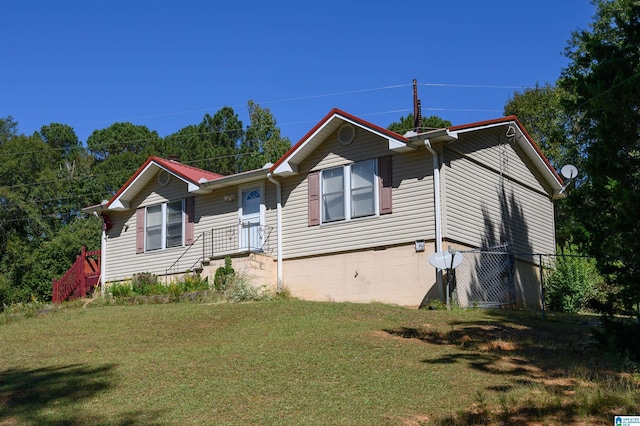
(251, 218)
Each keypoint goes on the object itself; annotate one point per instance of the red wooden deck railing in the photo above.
(80, 279)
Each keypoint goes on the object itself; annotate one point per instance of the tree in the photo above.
(60, 137)
(119, 150)
(55, 255)
(603, 79)
(404, 124)
(122, 137)
(210, 145)
(8, 129)
(263, 142)
(32, 210)
(541, 112)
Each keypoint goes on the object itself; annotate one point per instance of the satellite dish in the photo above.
(569, 171)
(445, 259)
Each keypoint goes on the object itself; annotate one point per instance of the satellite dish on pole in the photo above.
(445, 259)
(569, 171)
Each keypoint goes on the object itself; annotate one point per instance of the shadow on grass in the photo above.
(547, 358)
(534, 348)
(50, 395)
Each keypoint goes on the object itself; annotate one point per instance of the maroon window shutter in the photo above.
(189, 209)
(313, 181)
(140, 230)
(384, 172)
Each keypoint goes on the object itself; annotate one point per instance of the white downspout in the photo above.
(103, 260)
(438, 210)
(103, 255)
(279, 227)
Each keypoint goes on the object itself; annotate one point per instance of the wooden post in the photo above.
(81, 275)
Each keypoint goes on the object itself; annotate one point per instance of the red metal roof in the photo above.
(189, 173)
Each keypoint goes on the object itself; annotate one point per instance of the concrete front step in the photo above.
(260, 268)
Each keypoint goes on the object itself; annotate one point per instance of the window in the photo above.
(333, 194)
(154, 227)
(349, 191)
(363, 197)
(174, 224)
(165, 225)
(355, 190)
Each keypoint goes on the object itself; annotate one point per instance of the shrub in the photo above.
(195, 283)
(175, 290)
(224, 275)
(240, 289)
(121, 290)
(144, 283)
(284, 293)
(572, 285)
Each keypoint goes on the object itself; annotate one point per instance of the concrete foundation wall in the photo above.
(527, 281)
(397, 275)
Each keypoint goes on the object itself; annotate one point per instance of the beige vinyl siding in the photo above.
(211, 211)
(491, 148)
(122, 261)
(412, 217)
(482, 207)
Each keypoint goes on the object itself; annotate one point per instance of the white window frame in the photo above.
(164, 226)
(347, 193)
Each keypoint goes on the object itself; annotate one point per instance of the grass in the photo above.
(296, 362)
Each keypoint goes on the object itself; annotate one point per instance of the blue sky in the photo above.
(164, 64)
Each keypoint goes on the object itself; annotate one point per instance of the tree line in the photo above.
(590, 118)
(47, 178)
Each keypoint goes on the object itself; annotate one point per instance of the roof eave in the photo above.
(436, 135)
(237, 179)
(287, 165)
(122, 199)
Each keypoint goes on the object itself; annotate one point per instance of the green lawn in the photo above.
(296, 362)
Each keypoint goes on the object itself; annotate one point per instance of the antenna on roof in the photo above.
(417, 110)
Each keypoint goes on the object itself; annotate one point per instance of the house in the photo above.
(351, 212)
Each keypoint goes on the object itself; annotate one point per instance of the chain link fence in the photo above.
(485, 278)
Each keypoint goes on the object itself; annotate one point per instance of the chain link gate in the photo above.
(485, 278)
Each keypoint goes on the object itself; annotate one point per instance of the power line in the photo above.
(462, 110)
(608, 90)
(128, 171)
(348, 92)
(473, 86)
(292, 99)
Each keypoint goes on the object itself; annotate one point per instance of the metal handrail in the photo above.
(227, 240)
(170, 268)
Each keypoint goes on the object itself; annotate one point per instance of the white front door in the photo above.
(251, 235)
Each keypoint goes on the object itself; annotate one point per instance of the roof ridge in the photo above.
(179, 164)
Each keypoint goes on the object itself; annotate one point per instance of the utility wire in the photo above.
(473, 86)
(608, 90)
(93, 175)
(128, 171)
(299, 98)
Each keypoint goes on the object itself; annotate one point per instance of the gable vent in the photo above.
(346, 134)
(163, 178)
